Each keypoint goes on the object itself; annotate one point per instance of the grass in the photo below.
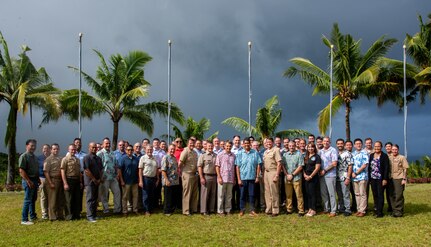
(414, 229)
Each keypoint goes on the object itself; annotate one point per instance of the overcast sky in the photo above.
(210, 58)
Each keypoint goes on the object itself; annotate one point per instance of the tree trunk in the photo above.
(348, 109)
(11, 144)
(115, 136)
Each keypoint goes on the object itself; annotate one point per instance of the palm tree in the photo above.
(267, 120)
(119, 87)
(419, 49)
(193, 128)
(355, 75)
(23, 87)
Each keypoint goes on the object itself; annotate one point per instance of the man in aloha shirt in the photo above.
(110, 178)
(344, 171)
(328, 175)
(360, 177)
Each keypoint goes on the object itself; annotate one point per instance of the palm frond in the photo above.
(323, 119)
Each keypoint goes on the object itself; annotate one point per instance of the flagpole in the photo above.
(405, 101)
(80, 87)
(169, 91)
(330, 94)
(249, 88)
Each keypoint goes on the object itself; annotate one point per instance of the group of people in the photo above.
(214, 177)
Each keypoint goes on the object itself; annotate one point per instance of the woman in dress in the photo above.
(312, 164)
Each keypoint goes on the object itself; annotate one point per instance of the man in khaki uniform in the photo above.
(72, 182)
(188, 165)
(208, 179)
(52, 171)
(272, 164)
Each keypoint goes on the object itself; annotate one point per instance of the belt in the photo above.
(150, 177)
(270, 170)
(55, 177)
(212, 175)
(76, 177)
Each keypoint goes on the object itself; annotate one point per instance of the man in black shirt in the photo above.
(92, 179)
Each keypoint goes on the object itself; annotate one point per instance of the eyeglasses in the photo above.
(129, 149)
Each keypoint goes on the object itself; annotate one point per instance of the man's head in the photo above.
(178, 142)
(137, 148)
(171, 149)
(78, 144)
(222, 143)
(149, 150)
(106, 144)
(163, 145)
(156, 143)
(210, 147)
(236, 141)
(302, 145)
(269, 143)
(255, 145)
(71, 149)
(129, 150)
(228, 146)
(319, 142)
(340, 144)
(358, 144)
(198, 145)
(369, 143)
(349, 146)
(286, 143)
(46, 150)
(388, 147)
(216, 142)
(121, 146)
(30, 145)
(292, 146)
(326, 142)
(277, 142)
(145, 142)
(55, 149)
(246, 144)
(92, 148)
(311, 138)
(191, 144)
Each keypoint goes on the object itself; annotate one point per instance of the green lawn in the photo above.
(414, 229)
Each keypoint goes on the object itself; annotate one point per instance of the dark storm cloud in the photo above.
(209, 57)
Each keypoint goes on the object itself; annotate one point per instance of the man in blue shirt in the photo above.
(360, 177)
(128, 173)
(247, 170)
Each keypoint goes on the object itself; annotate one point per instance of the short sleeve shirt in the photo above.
(52, 166)
(207, 162)
(71, 166)
(345, 159)
(360, 158)
(189, 161)
(398, 164)
(291, 162)
(158, 155)
(129, 169)
(109, 162)
(170, 166)
(149, 166)
(93, 163)
(311, 163)
(247, 163)
(28, 162)
(328, 156)
(271, 157)
(226, 163)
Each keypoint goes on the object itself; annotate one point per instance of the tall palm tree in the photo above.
(23, 87)
(267, 120)
(119, 87)
(194, 128)
(355, 75)
(419, 49)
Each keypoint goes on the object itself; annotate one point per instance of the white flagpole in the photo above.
(330, 94)
(80, 86)
(249, 88)
(405, 101)
(169, 91)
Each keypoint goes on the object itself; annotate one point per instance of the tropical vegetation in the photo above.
(355, 75)
(118, 90)
(23, 87)
(268, 118)
(194, 128)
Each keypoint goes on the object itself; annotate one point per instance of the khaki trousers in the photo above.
(56, 200)
(272, 194)
(43, 192)
(130, 193)
(360, 188)
(209, 194)
(290, 186)
(190, 189)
